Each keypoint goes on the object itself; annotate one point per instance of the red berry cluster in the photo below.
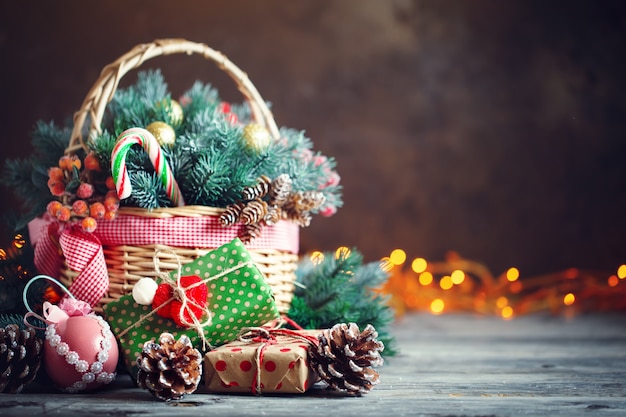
(74, 182)
(225, 108)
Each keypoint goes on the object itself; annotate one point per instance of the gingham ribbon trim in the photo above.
(83, 254)
(192, 232)
(83, 251)
(47, 253)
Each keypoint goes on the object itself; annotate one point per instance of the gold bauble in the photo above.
(256, 137)
(173, 110)
(163, 133)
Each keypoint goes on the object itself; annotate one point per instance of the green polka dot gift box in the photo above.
(238, 297)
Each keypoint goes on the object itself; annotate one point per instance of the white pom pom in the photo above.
(144, 290)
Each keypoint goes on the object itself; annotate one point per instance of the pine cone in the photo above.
(301, 218)
(299, 205)
(20, 357)
(251, 232)
(280, 190)
(231, 214)
(308, 200)
(169, 369)
(253, 212)
(345, 357)
(257, 191)
(273, 215)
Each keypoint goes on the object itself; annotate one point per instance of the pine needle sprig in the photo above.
(151, 87)
(205, 183)
(148, 191)
(19, 175)
(49, 143)
(135, 105)
(125, 110)
(243, 111)
(27, 177)
(296, 140)
(102, 147)
(200, 98)
(181, 159)
(341, 288)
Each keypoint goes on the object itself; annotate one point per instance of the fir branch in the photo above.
(209, 159)
(102, 148)
(49, 143)
(243, 111)
(136, 106)
(151, 87)
(342, 289)
(126, 110)
(18, 176)
(27, 178)
(205, 183)
(148, 191)
(370, 275)
(180, 158)
(211, 132)
(199, 98)
(270, 163)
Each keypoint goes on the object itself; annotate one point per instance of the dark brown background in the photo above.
(492, 128)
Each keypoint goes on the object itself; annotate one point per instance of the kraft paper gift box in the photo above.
(281, 364)
(239, 299)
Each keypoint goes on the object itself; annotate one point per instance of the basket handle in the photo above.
(104, 88)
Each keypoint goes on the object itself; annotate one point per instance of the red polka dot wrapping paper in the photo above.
(236, 300)
(231, 368)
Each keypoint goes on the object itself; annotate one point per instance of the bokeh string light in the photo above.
(457, 285)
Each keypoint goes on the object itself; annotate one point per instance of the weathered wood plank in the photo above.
(456, 365)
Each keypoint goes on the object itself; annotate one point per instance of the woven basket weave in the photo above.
(127, 263)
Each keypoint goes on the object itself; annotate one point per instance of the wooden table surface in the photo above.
(450, 365)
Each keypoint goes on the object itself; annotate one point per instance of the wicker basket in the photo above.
(128, 263)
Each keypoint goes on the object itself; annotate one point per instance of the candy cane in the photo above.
(139, 136)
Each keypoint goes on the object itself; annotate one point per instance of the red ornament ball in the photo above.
(80, 353)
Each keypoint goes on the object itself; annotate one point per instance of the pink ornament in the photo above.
(80, 353)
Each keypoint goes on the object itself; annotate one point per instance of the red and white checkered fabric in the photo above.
(83, 251)
(192, 232)
(47, 253)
